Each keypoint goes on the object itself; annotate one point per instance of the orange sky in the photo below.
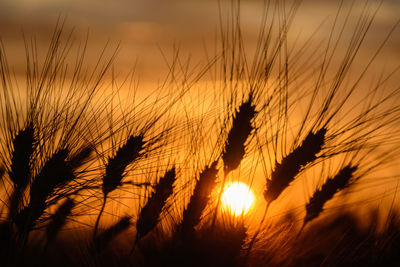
(143, 27)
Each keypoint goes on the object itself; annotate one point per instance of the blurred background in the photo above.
(144, 28)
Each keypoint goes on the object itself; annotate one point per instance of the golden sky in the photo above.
(144, 27)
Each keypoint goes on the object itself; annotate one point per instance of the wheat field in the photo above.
(97, 171)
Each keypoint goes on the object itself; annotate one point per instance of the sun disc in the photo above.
(237, 198)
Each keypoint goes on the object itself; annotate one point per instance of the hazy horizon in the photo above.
(146, 29)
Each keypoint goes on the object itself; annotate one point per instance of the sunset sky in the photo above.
(144, 28)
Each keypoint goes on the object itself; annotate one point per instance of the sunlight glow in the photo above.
(237, 198)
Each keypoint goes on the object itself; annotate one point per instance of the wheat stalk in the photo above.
(2, 172)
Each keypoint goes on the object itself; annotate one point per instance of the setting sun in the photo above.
(237, 198)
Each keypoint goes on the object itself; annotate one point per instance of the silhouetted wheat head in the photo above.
(242, 126)
(116, 165)
(333, 185)
(23, 147)
(198, 201)
(55, 173)
(115, 168)
(149, 215)
(286, 171)
(20, 174)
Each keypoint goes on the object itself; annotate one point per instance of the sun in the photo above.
(237, 198)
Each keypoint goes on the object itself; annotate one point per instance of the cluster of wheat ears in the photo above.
(70, 148)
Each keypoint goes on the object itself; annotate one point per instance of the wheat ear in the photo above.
(150, 213)
(55, 173)
(286, 171)
(115, 169)
(80, 157)
(198, 200)
(242, 126)
(291, 165)
(234, 149)
(24, 144)
(315, 205)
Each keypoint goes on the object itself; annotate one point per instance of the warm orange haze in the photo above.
(199, 133)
